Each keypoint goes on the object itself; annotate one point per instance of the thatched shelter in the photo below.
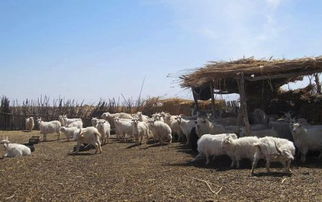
(249, 77)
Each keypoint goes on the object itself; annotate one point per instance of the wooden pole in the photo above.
(196, 108)
(212, 98)
(243, 104)
(317, 82)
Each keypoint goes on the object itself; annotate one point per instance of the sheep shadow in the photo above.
(186, 149)
(133, 145)
(80, 154)
(154, 145)
(272, 174)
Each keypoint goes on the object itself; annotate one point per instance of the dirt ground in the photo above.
(148, 172)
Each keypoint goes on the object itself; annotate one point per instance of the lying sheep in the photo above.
(48, 128)
(241, 148)
(30, 123)
(161, 131)
(212, 145)
(91, 136)
(70, 132)
(104, 128)
(274, 149)
(14, 149)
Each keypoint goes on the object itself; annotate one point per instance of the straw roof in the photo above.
(223, 75)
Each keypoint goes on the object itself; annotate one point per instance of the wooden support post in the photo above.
(243, 104)
(317, 82)
(196, 108)
(212, 99)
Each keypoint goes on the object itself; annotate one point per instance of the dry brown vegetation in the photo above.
(149, 172)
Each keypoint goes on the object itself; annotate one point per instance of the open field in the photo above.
(124, 172)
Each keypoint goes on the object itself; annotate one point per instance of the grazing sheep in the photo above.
(104, 128)
(70, 132)
(49, 127)
(274, 149)
(212, 145)
(14, 149)
(30, 123)
(161, 131)
(307, 137)
(139, 130)
(91, 136)
(240, 148)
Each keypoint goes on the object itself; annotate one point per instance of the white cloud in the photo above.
(237, 28)
(273, 3)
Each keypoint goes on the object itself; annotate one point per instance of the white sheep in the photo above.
(68, 121)
(157, 117)
(70, 132)
(307, 137)
(274, 149)
(30, 123)
(260, 133)
(14, 149)
(241, 148)
(104, 128)
(91, 136)
(77, 124)
(95, 120)
(186, 126)
(212, 145)
(204, 126)
(48, 128)
(161, 131)
(139, 130)
(142, 117)
(123, 128)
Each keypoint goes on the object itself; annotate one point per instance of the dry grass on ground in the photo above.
(144, 173)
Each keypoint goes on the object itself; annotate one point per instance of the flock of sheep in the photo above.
(272, 139)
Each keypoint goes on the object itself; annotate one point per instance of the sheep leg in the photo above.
(289, 166)
(207, 159)
(320, 155)
(268, 164)
(199, 156)
(188, 139)
(77, 147)
(303, 154)
(44, 137)
(237, 161)
(254, 164)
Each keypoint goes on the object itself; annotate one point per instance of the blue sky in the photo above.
(87, 50)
